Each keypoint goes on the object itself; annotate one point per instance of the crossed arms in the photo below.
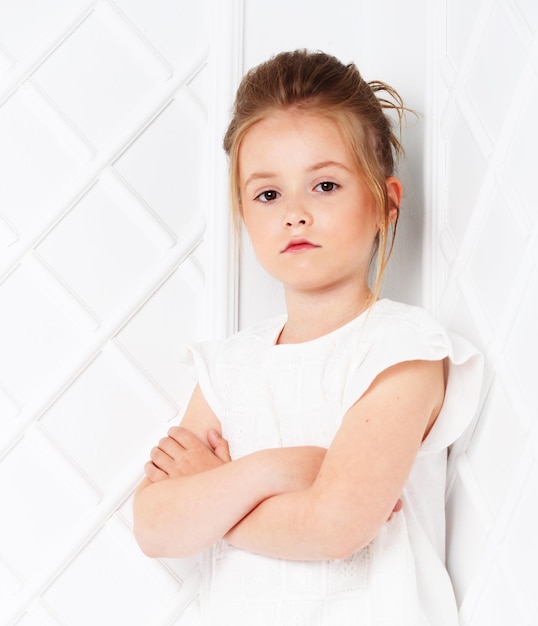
(303, 503)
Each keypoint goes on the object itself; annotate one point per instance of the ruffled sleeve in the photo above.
(410, 334)
(465, 371)
(198, 359)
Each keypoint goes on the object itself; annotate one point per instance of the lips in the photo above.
(299, 245)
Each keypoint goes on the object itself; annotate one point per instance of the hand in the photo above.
(181, 453)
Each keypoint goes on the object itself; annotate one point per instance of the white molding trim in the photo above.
(434, 270)
(225, 69)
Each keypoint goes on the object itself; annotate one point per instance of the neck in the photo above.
(311, 315)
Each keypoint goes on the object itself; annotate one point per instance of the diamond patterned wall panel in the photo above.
(99, 251)
(112, 567)
(43, 507)
(101, 75)
(38, 345)
(111, 191)
(164, 165)
(154, 337)
(25, 23)
(35, 148)
(112, 258)
(487, 289)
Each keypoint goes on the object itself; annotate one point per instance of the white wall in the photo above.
(115, 251)
(484, 282)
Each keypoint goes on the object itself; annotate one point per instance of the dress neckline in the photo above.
(327, 336)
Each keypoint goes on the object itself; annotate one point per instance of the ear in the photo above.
(394, 192)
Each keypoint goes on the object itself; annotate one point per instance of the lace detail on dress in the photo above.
(350, 574)
(269, 592)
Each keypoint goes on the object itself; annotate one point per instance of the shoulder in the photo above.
(407, 330)
(241, 345)
(265, 331)
(259, 336)
(406, 333)
(394, 333)
(214, 364)
(391, 314)
(404, 328)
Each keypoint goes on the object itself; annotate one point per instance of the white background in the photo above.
(115, 250)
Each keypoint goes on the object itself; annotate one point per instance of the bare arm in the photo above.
(182, 516)
(184, 504)
(363, 473)
(281, 505)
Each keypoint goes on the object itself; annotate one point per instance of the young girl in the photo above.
(333, 412)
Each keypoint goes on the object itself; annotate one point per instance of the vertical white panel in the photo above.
(483, 284)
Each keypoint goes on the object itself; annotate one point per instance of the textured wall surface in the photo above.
(114, 252)
(485, 284)
(107, 207)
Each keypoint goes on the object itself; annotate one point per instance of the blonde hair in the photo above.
(315, 82)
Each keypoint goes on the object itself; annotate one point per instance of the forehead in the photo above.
(293, 121)
(292, 137)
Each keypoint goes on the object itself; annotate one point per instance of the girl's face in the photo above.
(309, 215)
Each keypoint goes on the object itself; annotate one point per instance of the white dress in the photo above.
(268, 395)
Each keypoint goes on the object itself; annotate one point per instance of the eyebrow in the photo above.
(323, 164)
(258, 176)
(313, 168)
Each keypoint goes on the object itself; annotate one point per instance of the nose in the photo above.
(290, 221)
(296, 215)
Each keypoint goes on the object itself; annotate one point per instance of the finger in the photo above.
(219, 444)
(170, 447)
(160, 459)
(184, 437)
(154, 473)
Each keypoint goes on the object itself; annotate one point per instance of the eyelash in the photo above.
(334, 186)
(262, 197)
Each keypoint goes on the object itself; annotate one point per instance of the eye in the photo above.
(326, 186)
(267, 196)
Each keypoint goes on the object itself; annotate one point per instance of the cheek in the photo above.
(249, 225)
(257, 232)
(360, 241)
